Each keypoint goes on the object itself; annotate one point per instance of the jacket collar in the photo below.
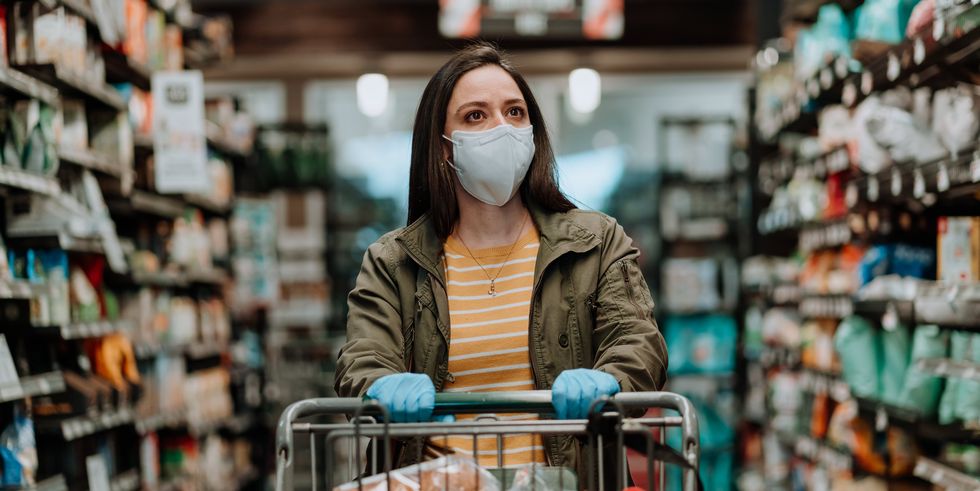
(559, 233)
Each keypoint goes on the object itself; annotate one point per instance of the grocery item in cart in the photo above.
(444, 473)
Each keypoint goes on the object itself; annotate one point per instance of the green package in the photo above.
(922, 390)
(856, 343)
(959, 342)
(968, 398)
(895, 348)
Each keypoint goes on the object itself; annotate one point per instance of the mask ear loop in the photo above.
(447, 162)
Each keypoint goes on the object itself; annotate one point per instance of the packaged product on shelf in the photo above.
(921, 390)
(959, 344)
(171, 374)
(113, 359)
(902, 136)
(781, 327)
(173, 47)
(959, 249)
(183, 322)
(962, 456)
(883, 20)
(301, 221)
(896, 347)
(19, 451)
(55, 264)
(140, 110)
(786, 398)
(134, 39)
(818, 345)
(46, 33)
(968, 398)
(84, 297)
(74, 130)
(955, 118)
(828, 37)
(921, 17)
(859, 351)
(114, 139)
(701, 344)
(820, 415)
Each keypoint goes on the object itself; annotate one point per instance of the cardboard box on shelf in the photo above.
(301, 216)
(959, 249)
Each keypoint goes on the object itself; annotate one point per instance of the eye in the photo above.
(474, 116)
(516, 112)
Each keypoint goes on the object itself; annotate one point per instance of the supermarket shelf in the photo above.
(126, 481)
(28, 181)
(819, 382)
(82, 426)
(825, 235)
(208, 277)
(779, 356)
(43, 384)
(193, 350)
(208, 204)
(949, 175)
(59, 239)
(831, 162)
(82, 330)
(143, 143)
(53, 483)
(950, 368)
(818, 452)
(922, 427)
(777, 295)
(163, 279)
(15, 82)
(88, 159)
(806, 10)
(15, 289)
(205, 350)
(172, 419)
(826, 306)
(74, 84)
(121, 68)
(156, 204)
(944, 476)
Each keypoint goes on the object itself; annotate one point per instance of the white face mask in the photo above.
(492, 164)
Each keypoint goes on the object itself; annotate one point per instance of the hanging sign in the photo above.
(179, 142)
(563, 19)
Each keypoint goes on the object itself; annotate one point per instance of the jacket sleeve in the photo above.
(628, 342)
(374, 346)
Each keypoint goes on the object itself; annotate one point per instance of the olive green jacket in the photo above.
(590, 308)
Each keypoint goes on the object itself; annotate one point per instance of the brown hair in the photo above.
(431, 188)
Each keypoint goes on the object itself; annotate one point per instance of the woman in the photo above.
(498, 282)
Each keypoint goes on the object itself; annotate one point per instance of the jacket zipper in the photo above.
(629, 289)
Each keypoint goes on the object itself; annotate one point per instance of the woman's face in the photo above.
(485, 98)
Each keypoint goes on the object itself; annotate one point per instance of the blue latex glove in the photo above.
(574, 391)
(408, 397)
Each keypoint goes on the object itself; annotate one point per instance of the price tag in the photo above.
(942, 178)
(849, 94)
(867, 83)
(872, 188)
(826, 78)
(919, 185)
(919, 51)
(894, 67)
(813, 88)
(938, 27)
(98, 473)
(840, 66)
(975, 168)
(896, 183)
(881, 420)
(889, 320)
(851, 196)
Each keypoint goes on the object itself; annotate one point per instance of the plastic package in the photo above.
(923, 390)
(19, 450)
(830, 35)
(954, 117)
(968, 398)
(896, 346)
(701, 344)
(905, 139)
(859, 354)
(921, 18)
(543, 478)
(948, 405)
(883, 20)
(443, 473)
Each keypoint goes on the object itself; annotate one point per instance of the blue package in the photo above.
(912, 261)
(883, 20)
(701, 343)
(876, 262)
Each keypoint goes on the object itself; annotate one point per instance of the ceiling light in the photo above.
(372, 94)
(584, 90)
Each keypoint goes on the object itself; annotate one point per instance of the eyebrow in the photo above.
(484, 104)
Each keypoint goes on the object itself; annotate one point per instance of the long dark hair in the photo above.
(431, 188)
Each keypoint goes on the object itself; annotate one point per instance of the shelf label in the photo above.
(867, 83)
(98, 473)
(975, 168)
(840, 66)
(872, 188)
(919, 184)
(889, 320)
(826, 78)
(849, 95)
(179, 136)
(942, 178)
(894, 67)
(919, 51)
(851, 196)
(896, 184)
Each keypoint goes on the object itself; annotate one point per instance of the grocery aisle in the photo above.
(860, 335)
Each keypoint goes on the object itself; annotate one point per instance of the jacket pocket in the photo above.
(630, 294)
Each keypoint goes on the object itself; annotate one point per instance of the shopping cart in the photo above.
(365, 422)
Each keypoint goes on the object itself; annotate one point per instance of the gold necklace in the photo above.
(493, 287)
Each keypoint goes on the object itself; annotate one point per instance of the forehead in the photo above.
(485, 83)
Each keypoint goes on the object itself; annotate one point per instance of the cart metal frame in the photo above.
(361, 426)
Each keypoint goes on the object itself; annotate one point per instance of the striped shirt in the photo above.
(488, 350)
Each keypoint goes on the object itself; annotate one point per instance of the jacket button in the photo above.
(563, 340)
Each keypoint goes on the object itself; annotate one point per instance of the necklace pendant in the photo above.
(493, 289)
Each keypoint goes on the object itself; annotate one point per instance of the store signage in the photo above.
(563, 19)
(179, 141)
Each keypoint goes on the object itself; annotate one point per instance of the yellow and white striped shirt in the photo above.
(488, 350)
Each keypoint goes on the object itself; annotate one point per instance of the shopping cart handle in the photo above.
(525, 401)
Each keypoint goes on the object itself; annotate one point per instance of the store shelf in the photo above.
(82, 426)
(58, 239)
(208, 204)
(143, 143)
(164, 279)
(126, 481)
(213, 276)
(172, 419)
(17, 83)
(884, 415)
(825, 235)
(826, 306)
(84, 330)
(944, 476)
(43, 384)
(121, 68)
(818, 452)
(779, 295)
(819, 382)
(156, 204)
(28, 181)
(950, 368)
(15, 289)
(71, 83)
(52, 483)
(779, 356)
(87, 159)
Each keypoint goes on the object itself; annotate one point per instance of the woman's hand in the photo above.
(408, 397)
(574, 391)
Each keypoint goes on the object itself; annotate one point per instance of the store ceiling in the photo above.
(338, 38)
